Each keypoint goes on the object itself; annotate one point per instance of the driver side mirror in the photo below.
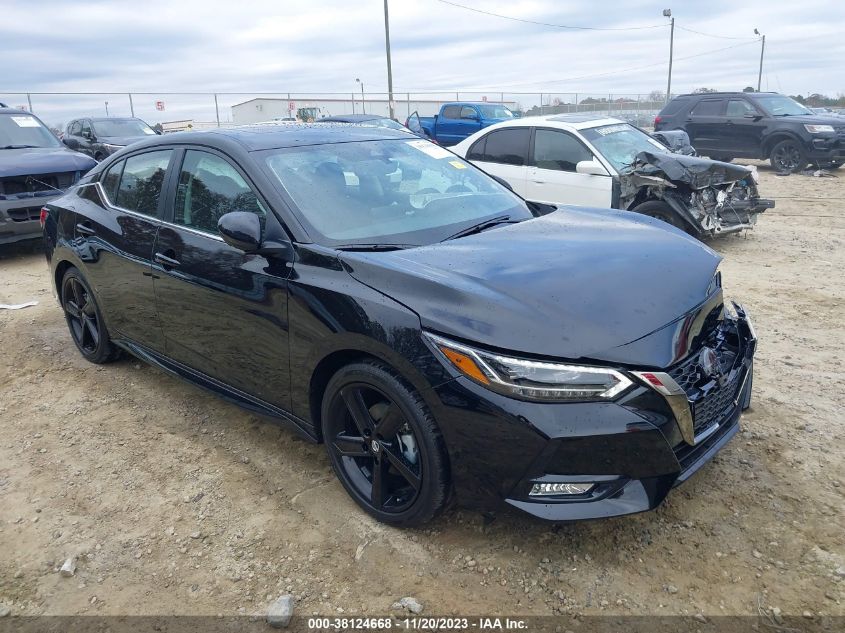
(752, 115)
(591, 168)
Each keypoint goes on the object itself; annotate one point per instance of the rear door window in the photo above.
(507, 146)
(709, 107)
(452, 112)
(142, 180)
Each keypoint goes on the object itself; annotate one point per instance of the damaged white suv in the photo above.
(604, 162)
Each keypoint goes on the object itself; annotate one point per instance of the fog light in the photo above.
(545, 490)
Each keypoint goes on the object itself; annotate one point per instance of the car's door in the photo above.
(223, 311)
(114, 236)
(470, 122)
(745, 133)
(448, 125)
(504, 153)
(71, 137)
(413, 124)
(552, 177)
(705, 125)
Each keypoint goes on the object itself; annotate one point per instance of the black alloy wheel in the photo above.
(384, 445)
(84, 320)
(788, 157)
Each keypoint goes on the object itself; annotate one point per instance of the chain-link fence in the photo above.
(179, 111)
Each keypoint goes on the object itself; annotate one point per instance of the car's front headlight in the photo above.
(111, 149)
(818, 129)
(529, 379)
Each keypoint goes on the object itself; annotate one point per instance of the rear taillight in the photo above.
(44, 213)
(657, 120)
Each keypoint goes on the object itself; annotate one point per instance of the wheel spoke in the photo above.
(72, 309)
(390, 422)
(378, 494)
(402, 467)
(76, 326)
(350, 446)
(76, 288)
(91, 326)
(354, 400)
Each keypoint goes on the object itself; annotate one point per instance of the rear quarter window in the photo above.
(674, 106)
(709, 107)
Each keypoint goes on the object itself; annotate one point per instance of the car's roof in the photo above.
(111, 118)
(275, 135)
(563, 121)
(8, 110)
(723, 94)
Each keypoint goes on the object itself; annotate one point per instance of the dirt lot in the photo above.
(176, 502)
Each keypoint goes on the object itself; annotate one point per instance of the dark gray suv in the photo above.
(728, 125)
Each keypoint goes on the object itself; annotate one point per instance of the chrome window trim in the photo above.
(144, 216)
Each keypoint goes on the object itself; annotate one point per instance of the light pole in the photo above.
(363, 107)
(668, 14)
(389, 71)
(762, 50)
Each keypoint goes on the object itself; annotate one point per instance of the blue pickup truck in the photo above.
(458, 120)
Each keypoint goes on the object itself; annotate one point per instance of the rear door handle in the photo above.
(85, 229)
(165, 261)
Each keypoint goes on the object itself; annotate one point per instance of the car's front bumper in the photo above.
(633, 450)
(19, 217)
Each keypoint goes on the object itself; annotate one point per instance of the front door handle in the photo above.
(166, 261)
(85, 229)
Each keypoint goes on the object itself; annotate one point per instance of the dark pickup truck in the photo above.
(458, 120)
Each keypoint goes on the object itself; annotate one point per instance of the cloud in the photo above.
(321, 46)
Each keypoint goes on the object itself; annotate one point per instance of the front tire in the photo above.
(84, 320)
(660, 211)
(788, 157)
(384, 444)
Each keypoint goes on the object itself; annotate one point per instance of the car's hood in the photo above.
(691, 170)
(42, 160)
(578, 283)
(123, 140)
(815, 119)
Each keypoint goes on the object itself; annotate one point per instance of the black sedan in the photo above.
(442, 337)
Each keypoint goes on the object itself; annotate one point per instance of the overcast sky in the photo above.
(321, 46)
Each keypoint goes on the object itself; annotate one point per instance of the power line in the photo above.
(723, 37)
(557, 26)
(625, 70)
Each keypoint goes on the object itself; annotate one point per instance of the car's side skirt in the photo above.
(218, 388)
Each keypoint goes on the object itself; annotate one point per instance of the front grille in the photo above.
(24, 214)
(19, 186)
(712, 398)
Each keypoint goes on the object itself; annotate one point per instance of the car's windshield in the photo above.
(122, 127)
(495, 112)
(19, 130)
(405, 192)
(778, 105)
(621, 143)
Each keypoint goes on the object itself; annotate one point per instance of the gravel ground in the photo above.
(175, 502)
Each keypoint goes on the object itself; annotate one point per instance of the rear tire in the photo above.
(84, 320)
(788, 156)
(384, 444)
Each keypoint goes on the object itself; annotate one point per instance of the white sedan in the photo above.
(603, 162)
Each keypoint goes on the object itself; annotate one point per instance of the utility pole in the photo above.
(363, 106)
(668, 13)
(389, 70)
(762, 50)
(107, 107)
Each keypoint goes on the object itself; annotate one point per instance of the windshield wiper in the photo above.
(481, 226)
(374, 247)
(18, 146)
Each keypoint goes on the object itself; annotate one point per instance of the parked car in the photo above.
(34, 168)
(101, 137)
(602, 162)
(365, 119)
(439, 334)
(457, 121)
(763, 125)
